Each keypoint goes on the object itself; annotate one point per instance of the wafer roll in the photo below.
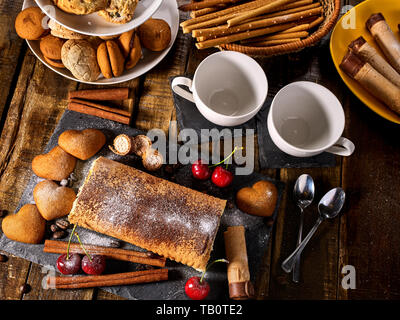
(372, 80)
(240, 286)
(385, 38)
(368, 54)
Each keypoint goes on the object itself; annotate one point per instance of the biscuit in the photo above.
(53, 201)
(119, 11)
(54, 165)
(54, 63)
(104, 61)
(258, 200)
(81, 7)
(28, 23)
(82, 144)
(51, 46)
(131, 48)
(26, 226)
(59, 31)
(155, 34)
(80, 58)
(116, 58)
(110, 59)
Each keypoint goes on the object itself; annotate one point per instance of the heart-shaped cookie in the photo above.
(53, 201)
(27, 225)
(55, 165)
(82, 144)
(258, 200)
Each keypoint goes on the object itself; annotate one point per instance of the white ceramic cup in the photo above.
(228, 88)
(306, 119)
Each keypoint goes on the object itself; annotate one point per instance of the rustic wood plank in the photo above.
(319, 260)
(155, 107)
(10, 50)
(369, 230)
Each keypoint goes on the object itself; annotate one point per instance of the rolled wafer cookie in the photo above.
(385, 38)
(240, 286)
(369, 54)
(372, 80)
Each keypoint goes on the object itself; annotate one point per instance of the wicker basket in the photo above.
(331, 13)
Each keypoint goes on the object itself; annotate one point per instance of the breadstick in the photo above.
(203, 34)
(269, 43)
(385, 38)
(234, 9)
(240, 286)
(368, 54)
(316, 22)
(263, 23)
(301, 27)
(291, 35)
(297, 9)
(205, 4)
(256, 12)
(371, 80)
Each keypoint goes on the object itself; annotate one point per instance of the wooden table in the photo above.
(33, 98)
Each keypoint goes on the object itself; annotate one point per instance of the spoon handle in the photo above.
(287, 265)
(296, 267)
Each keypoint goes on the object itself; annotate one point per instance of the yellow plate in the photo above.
(345, 32)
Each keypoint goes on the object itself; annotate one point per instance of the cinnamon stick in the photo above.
(101, 107)
(117, 279)
(101, 94)
(77, 107)
(148, 258)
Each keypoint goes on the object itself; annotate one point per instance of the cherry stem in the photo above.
(234, 150)
(69, 241)
(83, 247)
(208, 267)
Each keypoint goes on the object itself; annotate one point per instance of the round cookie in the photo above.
(51, 47)
(26, 226)
(59, 31)
(54, 63)
(104, 61)
(28, 23)
(81, 7)
(80, 58)
(119, 11)
(131, 48)
(53, 201)
(155, 34)
(54, 165)
(117, 60)
(110, 59)
(82, 144)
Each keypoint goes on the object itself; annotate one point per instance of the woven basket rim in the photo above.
(289, 47)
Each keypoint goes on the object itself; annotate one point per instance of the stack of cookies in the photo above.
(90, 58)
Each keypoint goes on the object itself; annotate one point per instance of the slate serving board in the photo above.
(258, 229)
(270, 156)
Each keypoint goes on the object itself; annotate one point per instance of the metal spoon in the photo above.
(304, 191)
(328, 208)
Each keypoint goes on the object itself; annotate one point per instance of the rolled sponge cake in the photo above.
(152, 213)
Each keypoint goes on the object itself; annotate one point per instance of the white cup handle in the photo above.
(343, 147)
(182, 92)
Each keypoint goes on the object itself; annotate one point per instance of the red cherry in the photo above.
(221, 177)
(200, 170)
(72, 265)
(196, 289)
(95, 265)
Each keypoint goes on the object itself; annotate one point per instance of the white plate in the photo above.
(168, 11)
(93, 24)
